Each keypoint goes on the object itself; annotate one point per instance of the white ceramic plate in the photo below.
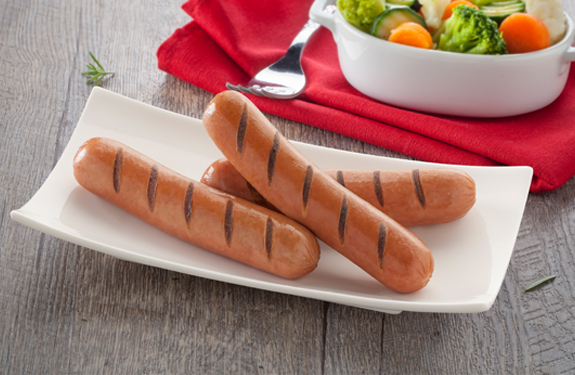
(471, 254)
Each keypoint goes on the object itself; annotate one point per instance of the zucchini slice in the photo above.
(413, 4)
(393, 17)
(481, 3)
(498, 11)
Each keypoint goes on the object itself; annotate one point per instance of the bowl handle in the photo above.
(322, 12)
(569, 54)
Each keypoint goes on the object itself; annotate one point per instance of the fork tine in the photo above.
(231, 87)
(276, 92)
(243, 89)
(255, 91)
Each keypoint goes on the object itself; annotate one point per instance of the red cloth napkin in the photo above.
(231, 40)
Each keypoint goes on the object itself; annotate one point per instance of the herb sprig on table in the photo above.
(539, 282)
(96, 72)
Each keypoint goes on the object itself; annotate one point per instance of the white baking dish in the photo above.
(446, 82)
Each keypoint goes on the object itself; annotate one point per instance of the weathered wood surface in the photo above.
(68, 309)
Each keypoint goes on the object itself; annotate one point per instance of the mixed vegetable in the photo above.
(361, 13)
(468, 30)
(488, 27)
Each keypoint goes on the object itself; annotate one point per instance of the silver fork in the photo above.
(285, 78)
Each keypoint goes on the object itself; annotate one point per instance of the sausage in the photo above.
(222, 175)
(194, 212)
(275, 168)
(410, 197)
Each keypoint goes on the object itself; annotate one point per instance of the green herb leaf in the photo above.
(96, 73)
(539, 282)
(95, 60)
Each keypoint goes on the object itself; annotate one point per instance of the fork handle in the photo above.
(298, 44)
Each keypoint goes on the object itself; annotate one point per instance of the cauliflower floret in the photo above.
(550, 12)
(433, 11)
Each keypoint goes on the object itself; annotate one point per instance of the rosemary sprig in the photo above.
(539, 282)
(97, 72)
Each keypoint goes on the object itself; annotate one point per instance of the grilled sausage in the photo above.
(370, 239)
(410, 197)
(194, 212)
(222, 175)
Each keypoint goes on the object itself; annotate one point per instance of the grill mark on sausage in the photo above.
(272, 158)
(418, 188)
(242, 126)
(152, 184)
(269, 235)
(118, 162)
(377, 187)
(307, 187)
(340, 178)
(342, 220)
(256, 196)
(381, 239)
(229, 222)
(188, 202)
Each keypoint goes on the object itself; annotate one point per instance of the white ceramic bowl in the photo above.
(446, 82)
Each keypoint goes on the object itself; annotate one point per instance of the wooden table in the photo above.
(68, 309)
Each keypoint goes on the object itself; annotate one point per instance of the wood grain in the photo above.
(71, 310)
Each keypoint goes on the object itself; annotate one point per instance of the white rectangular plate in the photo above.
(471, 254)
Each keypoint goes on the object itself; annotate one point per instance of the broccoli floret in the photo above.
(361, 13)
(469, 30)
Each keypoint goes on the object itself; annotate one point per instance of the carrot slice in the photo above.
(411, 34)
(524, 33)
(449, 8)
